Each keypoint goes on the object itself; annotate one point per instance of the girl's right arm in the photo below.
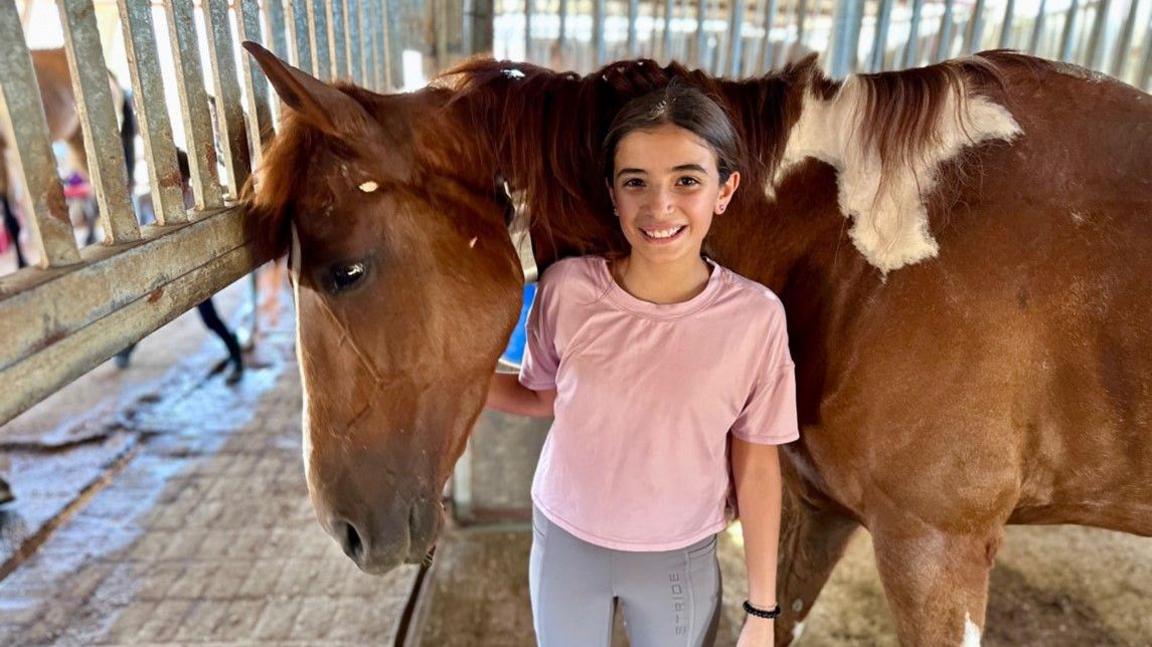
(505, 393)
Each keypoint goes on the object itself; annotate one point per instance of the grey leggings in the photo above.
(668, 598)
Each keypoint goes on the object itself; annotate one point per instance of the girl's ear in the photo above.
(728, 188)
(611, 193)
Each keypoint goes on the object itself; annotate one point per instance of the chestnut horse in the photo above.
(55, 83)
(963, 251)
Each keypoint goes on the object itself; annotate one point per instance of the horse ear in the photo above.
(322, 105)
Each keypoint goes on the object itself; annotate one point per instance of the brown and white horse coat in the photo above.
(962, 250)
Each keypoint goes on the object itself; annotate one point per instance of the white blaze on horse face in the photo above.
(369, 186)
(889, 222)
(971, 632)
(305, 423)
(797, 631)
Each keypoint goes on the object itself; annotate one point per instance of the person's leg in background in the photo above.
(12, 226)
(212, 320)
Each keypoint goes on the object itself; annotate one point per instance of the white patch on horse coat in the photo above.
(971, 632)
(797, 631)
(889, 225)
(798, 605)
(512, 73)
(472, 243)
(369, 186)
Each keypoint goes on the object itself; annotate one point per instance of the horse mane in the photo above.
(545, 129)
(280, 182)
(901, 110)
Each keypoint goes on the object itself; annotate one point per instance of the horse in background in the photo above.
(962, 250)
(55, 82)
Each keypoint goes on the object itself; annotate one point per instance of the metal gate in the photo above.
(79, 306)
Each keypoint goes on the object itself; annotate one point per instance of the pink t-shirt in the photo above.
(636, 458)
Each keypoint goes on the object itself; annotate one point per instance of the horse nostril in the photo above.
(352, 545)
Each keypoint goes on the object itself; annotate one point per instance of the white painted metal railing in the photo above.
(747, 37)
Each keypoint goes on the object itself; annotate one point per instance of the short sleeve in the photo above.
(538, 367)
(769, 414)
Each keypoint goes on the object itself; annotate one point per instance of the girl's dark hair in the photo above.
(680, 105)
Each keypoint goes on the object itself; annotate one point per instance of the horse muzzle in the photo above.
(378, 544)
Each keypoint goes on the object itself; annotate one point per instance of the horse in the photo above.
(56, 95)
(962, 251)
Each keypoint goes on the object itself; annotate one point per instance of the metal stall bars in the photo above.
(79, 307)
(852, 35)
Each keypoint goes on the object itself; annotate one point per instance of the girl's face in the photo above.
(666, 191)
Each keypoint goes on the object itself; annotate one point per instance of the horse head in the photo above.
(407, 287)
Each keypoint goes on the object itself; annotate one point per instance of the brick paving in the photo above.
(204, 536)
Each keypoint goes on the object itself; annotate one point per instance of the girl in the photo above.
(648, 361)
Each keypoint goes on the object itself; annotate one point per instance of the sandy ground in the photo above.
(1058, 586)
(1053, 586)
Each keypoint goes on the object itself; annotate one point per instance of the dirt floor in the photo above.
(1058, 586)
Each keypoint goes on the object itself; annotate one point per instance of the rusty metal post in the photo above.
(258, 115)
(26, 130)
(90, 85)
(194, 105)
(229, 114)
(155, 128)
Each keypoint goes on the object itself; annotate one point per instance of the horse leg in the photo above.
(936, 581)
(12, 226)
(812, 541)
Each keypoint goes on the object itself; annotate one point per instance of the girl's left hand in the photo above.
(757, 632)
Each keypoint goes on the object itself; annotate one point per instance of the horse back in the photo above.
(1016, 365)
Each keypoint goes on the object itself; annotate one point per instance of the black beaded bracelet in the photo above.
(761, 613)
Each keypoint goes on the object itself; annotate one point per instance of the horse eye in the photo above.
(346, 274)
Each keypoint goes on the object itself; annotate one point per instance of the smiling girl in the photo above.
(662, 370)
